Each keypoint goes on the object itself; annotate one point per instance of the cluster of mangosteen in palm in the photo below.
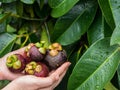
(37, 60)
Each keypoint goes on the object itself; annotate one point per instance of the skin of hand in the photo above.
(30, 82)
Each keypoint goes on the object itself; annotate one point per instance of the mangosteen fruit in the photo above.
(55, 56)
(27, 59)
(36, 51)
(37, 68)
(15, 63)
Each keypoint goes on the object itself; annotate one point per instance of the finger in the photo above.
(60, 70)
(54, 84)
(45, 89)
(51, 72)
(60, 79)
(43, 82)
(12, 76)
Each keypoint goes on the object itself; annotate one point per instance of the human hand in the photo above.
(5, 74)
(30, 82)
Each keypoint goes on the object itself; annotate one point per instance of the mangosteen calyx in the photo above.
(15, 62)
(36, 68)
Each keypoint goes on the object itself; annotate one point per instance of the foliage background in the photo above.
(87, 29)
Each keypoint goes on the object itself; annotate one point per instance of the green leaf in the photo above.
(3, 83)
(106, 11)
(69, 28)
(3, 26)
(7, 1)
(55, 3)
(4, 17)
(45, 35)
(6, 43)
(96, 30)
(62, 7)
(19, 8)
(118, 73)
(96, 67)
(115, 39)
(107, 30)
(10, 29)
(28, 1)
(115, 6)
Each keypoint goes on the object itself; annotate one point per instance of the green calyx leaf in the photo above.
(9, 64)
(17, 64)
(10, 60)
(33, 64)
(41, 44)
(42, 50)
(38, 45)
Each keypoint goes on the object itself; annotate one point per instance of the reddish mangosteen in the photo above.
(37, 68)
(55, 56)
(36, 51)
(15, 63)
(27, 59)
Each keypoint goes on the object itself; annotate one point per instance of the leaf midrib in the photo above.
(59, 4)
(106, 60)
(73, 22)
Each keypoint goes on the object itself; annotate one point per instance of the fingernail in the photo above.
(69, 64)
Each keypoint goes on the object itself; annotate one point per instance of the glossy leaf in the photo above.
(27, 1)
(10, 29)
(115, 6)
(106, 11)
(3, 83)
(96, 30)
(118, 72)
(107, 30)
(96, 67)
(115, 39)
(55, 3)
(63, 7)
(70, 27)
(6, 43)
